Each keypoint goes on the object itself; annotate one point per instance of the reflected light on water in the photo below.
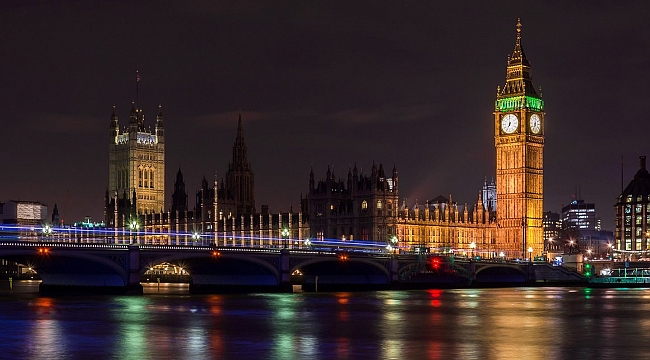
(131, 315)
(47, 340)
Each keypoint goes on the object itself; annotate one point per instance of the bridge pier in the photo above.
(285, 268)
(133, 286)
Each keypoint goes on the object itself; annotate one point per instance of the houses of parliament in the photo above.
(505, 220)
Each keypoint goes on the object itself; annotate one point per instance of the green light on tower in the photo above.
(519, 102)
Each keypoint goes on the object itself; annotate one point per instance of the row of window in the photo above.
(146, 178)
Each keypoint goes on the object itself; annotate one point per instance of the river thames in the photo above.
(168, 323)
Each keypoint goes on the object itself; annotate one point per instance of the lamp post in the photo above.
(394, 240)
(307, 242)
(47, 231)
(530, 253)
(609, 250)
(134, 226)
(195, 237)
(285, 236)
(472, 246)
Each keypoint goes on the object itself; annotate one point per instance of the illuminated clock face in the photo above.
(535, 123)
(509, 123)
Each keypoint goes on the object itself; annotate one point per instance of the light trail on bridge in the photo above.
(73, 235)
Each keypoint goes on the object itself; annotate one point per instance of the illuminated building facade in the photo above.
(19, 212)
(519, 140)
(633, 215)
(224, 213)
(514, 202)
(552, 227)
(365, 207)
(136, 177)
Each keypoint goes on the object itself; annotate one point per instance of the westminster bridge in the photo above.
(120, 267)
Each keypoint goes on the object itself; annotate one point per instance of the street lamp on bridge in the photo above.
(196, 237)
(530, 253)
(285, 237)
(47, 230)
(472, 246)
(394, 241)
(134, 226)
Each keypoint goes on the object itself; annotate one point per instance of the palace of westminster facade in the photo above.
(361, 207)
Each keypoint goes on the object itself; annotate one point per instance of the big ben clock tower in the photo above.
(519, 141)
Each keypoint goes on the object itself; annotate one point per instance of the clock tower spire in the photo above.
(519, 142)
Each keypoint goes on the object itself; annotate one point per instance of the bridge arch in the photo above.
(56, 264)
(372, 264)
(179, 257)
(500, 273)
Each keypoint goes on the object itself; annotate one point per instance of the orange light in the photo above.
(216, 253)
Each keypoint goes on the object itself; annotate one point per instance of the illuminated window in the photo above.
(140, 178)
(146, 178)
(332, 207)
(364, 205)
(379, 204)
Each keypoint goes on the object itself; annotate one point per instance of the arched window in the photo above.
(364, 205)
(151, 178)
(140, 177)
(146, 178)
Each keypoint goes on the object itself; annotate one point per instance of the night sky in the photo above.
(319, 83)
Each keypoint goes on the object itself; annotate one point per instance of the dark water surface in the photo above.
(510, 323)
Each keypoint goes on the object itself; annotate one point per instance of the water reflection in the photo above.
(531, 323)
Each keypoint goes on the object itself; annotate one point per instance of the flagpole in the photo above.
(137, 90)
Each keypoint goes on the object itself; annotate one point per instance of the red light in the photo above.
(216, 253)
(343, 257)
(435, 263)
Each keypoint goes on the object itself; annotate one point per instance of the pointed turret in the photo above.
(133, 119)
(114, 127)
(179, 197)
(160, 126)
(56, 219)
(518, 91)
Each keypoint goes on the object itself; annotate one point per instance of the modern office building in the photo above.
(579, 215)
(633, 215)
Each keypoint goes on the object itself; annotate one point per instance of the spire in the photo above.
(240, 132)
(518, 55)
(239, 151)
(518, 91)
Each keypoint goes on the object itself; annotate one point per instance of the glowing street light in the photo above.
(134, 226)
(472, 246)
(195, 237)
(307, 242)
(502, 255)
(285, 236)
(530, 253)
(394, 240)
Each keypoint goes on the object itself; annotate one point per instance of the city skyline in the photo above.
(317, 85)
